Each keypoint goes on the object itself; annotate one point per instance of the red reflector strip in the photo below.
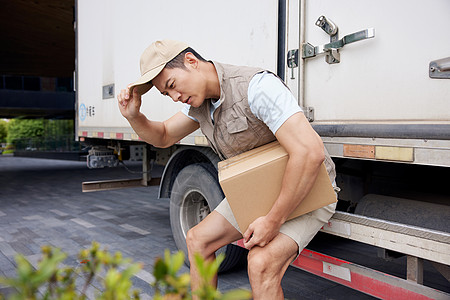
(360, 278)
(100, 134)
(85, 133)
(119, 136)
(331, 268)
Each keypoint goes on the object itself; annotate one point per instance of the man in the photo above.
(237, 108)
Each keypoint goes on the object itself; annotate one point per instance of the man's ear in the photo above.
(190, 60)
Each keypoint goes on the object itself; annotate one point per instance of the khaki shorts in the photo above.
(301, 229)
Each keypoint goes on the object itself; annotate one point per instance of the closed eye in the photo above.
(171, 86)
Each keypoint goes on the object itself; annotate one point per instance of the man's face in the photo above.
(184, 85)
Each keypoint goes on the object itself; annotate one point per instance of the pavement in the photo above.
(41, 203)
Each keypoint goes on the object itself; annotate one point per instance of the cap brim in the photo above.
(145, 80)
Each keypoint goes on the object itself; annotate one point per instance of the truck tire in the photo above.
(195, 193)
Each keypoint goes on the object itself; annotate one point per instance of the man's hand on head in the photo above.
(130, 100)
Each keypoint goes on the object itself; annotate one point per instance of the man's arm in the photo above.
(159, 134)
(306, 154)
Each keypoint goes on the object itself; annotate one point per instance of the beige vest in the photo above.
(235, 128)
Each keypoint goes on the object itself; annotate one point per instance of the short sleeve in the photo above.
(271, 101)
(185, 110)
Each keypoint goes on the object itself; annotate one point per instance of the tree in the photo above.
(3, 131)
(20, 129)
(41, 134)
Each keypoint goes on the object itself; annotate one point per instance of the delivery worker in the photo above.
(237, 109)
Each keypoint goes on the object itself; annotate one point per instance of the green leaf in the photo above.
(237, 295)
(178, 260)
(160, 269)
(220, 258)
(211, 268)
(167, 256)
(199, 263)
(111, 278)
(24, 268)
(131, 270)
(184, 279)
(48, 266)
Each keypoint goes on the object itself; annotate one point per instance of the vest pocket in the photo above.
(237, 125)
(236, 136)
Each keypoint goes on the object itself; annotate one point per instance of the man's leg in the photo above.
(267, 265)
(206, 238)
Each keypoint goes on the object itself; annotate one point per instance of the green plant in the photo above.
(207, 271)
(51, 281)
(29, 281)
(116, 283)
(168, 284)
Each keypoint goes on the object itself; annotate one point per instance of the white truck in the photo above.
(373, 78)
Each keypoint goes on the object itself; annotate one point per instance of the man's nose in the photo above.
(176, 96)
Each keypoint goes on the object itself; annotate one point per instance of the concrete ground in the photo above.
(41, 203)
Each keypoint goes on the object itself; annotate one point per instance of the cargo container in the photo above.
(373, 78)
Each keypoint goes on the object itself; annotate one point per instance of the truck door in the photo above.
(373, 70)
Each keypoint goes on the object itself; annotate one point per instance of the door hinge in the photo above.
(309, 113)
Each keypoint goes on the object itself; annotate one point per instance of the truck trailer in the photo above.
(372, 77)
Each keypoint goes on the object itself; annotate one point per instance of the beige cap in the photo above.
(155, 57)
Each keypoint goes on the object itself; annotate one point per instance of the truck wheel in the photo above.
(195, 193)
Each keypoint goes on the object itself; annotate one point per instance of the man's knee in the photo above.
(260, 262)
(270, 262)
(193, 241)
(197, 243)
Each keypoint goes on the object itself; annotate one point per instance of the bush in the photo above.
(114, 273)
(9, 149)
(40, 134)
(19, 129)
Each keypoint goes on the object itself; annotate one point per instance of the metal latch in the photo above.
(292, 61)
(329, 27)
(332, 48)
(440, 68)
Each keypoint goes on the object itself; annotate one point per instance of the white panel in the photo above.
(89, 58)
(384, 78)
(337, 271)
(113, 34)
(338, 227)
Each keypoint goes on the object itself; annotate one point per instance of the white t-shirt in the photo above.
(269, 100)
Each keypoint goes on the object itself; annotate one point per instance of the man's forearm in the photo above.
(151, 132)
(306, 154)
(299, 178)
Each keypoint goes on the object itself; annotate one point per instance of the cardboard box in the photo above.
(252, 181)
